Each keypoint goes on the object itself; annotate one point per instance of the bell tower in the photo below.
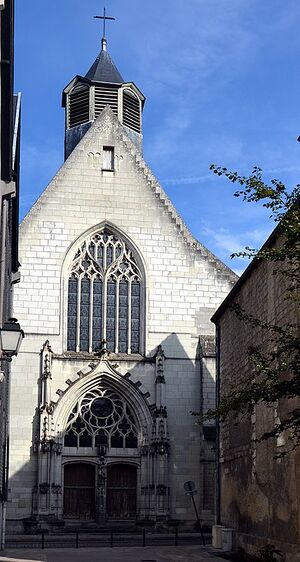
(85, 97)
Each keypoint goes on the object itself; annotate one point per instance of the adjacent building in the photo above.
(9, 203)
(259, 492)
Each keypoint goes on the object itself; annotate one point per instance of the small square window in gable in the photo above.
(108, 162)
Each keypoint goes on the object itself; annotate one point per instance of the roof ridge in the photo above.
(153, 182)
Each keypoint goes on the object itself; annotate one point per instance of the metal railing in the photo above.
(106, 538)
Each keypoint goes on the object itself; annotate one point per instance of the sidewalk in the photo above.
(193, 553)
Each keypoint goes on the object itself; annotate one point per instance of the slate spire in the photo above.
(85, 97)
(104, 69)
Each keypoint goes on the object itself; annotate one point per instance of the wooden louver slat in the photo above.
(78, 107)
(106, 96)
(131, 111)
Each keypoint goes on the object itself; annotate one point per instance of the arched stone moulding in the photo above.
(103, 374)
(66, 269)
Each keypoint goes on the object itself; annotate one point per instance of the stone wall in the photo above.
(260, 495)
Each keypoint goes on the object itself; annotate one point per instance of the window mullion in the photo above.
(91, 315)
(104, 256)
(129, 317)
(117, 316)
(104, 306)
(78, 315)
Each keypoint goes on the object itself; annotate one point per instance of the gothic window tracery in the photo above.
(101, 417)
(104, 296)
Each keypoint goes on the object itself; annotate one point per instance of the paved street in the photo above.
(123, 554)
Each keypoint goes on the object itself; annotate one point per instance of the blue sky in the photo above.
(221, 78)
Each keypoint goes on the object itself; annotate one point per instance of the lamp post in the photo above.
(11, 337)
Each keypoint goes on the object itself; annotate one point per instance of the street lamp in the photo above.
(11, 337)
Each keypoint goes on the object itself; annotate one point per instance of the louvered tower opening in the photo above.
(78, 106)
(131, 111)
(106, 95)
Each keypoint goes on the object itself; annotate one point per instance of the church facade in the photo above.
(115, 299)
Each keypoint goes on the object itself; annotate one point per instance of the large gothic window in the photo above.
(101, 417)
(104, 296)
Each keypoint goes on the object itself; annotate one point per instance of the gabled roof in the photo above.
(104, 70)
(107, 119)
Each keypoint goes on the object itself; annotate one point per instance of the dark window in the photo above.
(84, 314)
(117, 440)
(135, 316)
(104, 296)
(123, 316)
(101, 417)
(72, 314)
(108, 158)
(97, 313)
(85, 440)
(101, 438)
(71, 439)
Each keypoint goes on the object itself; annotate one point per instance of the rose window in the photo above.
(101, 417)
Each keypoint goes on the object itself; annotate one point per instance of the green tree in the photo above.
(276, 373)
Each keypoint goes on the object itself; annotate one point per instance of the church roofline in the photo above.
(189, 238)
(153, 184)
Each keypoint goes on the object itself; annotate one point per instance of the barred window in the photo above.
(104, 296)
(101, 417)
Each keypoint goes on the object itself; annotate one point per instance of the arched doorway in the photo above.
(121, 491)
(79, 491)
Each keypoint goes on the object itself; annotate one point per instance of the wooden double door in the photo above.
(80, 491)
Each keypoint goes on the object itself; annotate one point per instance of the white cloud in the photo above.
(232, 243)
(188, 180)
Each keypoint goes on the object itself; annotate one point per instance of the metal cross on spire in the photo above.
(104, 18)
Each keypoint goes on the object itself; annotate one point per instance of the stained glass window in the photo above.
(123, 316)
(135, 315)
(104, 296)
(84, 313)
(101, 417)
(111, 315)
(72, 313)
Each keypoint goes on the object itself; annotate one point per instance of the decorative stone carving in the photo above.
(118, 162)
